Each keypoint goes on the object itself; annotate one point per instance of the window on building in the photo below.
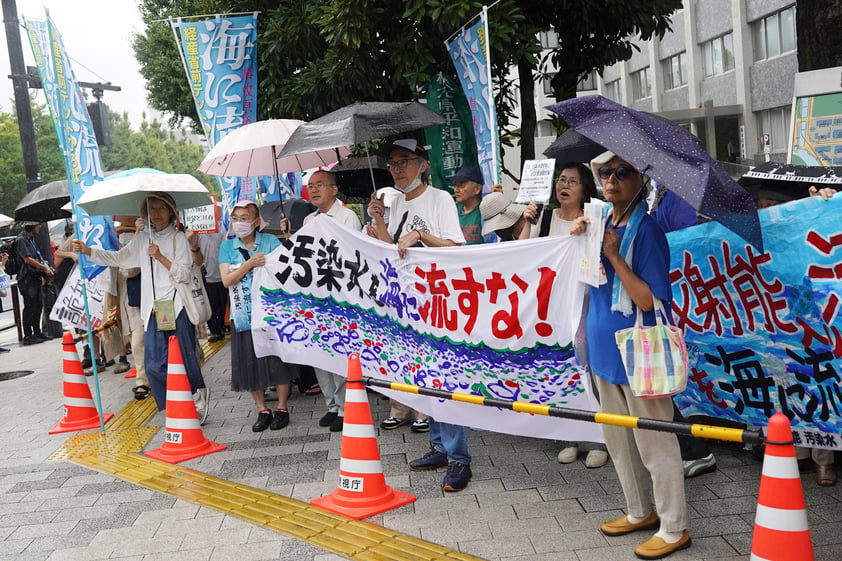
(775, 123)
(612, 91)
(587, 83)
(774, 35)
(549, 39)
(641, 87)
(675, 71)
(544, 129)
(718, 55)
(548, 88)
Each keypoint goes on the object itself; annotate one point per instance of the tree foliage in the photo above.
(318, 55)
(815, 22)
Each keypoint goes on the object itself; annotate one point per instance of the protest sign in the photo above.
(69, 308)
(496, 320)
(536, 181)
(202, 219)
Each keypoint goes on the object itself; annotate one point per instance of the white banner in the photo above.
(69, 308)
(495, 320)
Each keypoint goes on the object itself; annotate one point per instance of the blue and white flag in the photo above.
(471, 57)
(75, 134)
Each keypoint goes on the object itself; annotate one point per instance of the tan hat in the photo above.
(498, 212)
(244, 204)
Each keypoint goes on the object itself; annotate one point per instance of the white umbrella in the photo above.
(123, 193)
(5, 220)
(251, 150)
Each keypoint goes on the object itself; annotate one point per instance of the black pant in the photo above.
(218, 298)
(692, 447)
(30, 291)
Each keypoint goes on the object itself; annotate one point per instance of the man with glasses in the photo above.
(467, 190)
(422, 216)
(323, 190)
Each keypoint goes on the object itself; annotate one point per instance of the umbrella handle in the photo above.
(278, 179)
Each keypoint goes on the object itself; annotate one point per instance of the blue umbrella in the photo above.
(668, 154)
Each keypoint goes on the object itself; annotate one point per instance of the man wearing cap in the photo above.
(323, 189)
(32, 270)
(422, 216)
(467, 190)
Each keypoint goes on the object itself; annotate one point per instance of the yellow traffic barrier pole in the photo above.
(712, 432)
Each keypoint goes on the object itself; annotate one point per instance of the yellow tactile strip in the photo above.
(117, 453)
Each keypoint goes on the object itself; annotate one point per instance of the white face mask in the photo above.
(242, 229)
(414, 184)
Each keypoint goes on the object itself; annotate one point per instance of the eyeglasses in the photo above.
(399, 164)
(620, 172)
(319, 185)
(242, 219)
(572, 181)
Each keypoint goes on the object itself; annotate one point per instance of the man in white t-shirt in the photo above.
(323, 189)
(422, 216)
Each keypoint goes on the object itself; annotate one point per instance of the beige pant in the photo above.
(137, 356)
(401, 411)
(648, 463)
(821, 456)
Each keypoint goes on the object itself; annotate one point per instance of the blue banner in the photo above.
(764, 330)
(470, 54)
(75, 134)
(220, 58)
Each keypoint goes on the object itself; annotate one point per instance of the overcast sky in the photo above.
(97, 35)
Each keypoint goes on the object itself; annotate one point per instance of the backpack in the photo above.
(12, 265)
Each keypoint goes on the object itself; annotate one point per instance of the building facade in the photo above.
(726, 72)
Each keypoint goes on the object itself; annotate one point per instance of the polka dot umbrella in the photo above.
(670, 155)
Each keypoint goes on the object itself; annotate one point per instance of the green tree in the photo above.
(316, 56)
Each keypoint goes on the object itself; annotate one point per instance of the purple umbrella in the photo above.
(668, 154)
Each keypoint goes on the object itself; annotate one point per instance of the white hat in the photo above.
(498, 212)
(597, 162)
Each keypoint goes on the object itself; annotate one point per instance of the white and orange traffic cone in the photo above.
(184, 439)
(362, 490)
(80, 412)
(780, 524)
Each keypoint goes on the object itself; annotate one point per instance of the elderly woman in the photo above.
(163, 255)
(635, 256)
(238, 257)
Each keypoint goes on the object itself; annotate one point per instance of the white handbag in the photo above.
(194, 296)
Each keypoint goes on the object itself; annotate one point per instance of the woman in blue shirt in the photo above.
(635, 257)
(237, 258)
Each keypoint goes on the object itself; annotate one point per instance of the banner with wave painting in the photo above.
(496, 320)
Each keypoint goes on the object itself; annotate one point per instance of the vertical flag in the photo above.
(471, 57)
(220, 59)
(74, 131)
(452, 145)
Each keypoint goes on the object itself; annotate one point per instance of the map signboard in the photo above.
(816, 132)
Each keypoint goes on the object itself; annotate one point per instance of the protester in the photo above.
(65, 258)
(32, 272)
(574, 187)
(323, 190)
(127, 286)
(635, 258)
(502, 217)
(238, 257)
(423, 216)
(467, 190)
(162, 253)
(3, 259)
(208, 250)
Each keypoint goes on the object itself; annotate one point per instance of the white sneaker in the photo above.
(568, 455)
(201, 399)
(596, 458)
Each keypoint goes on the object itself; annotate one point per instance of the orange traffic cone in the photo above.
(184, 439)
(780, 524)
(362, 490)
(131, 373)
(80, 413)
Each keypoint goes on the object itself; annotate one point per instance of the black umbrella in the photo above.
(353, 175)
(787, 179)
(44, 203)
(294, 209)
(573, 147)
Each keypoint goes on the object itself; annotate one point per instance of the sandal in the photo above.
(825, 476)
(313, 390)
(141, 392)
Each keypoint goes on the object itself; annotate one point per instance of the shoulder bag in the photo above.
(193, 295)
(655, 357)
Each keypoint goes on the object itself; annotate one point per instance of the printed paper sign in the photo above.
(536, 181)
(202, 219)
